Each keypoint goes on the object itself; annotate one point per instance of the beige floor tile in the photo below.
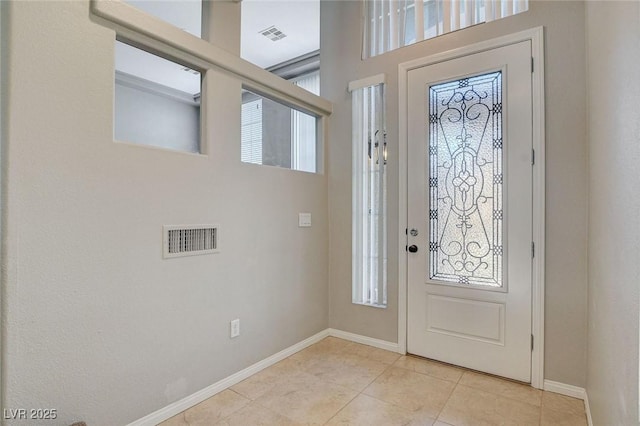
(473, 407)
(276, 375)
(368, 411)
(562, 418)
(322, 382)
(215, 408)
(307, 399)
(411, 390)
(562, 410)
(175, 421)
(431, 368)
(352, 371)
(375, 354)
(328, 345)
(256, 415)
(559, 402)
(506, 388)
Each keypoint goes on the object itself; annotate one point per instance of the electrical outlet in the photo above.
(235, 328)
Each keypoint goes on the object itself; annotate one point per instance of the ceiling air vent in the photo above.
(191, 71)
(189, 240)
(273, 33)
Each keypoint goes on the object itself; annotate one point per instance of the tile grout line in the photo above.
(273, 411)
(501, 395)
(392, 365)
(361, 392)
(341, 408)
(541, 404)
(342, 351)
(448, 398)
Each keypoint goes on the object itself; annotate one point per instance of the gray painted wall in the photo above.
(613, 37)
(565, 318)
(151, 119)
(95, 322)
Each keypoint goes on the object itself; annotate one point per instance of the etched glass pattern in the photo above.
(465, 181)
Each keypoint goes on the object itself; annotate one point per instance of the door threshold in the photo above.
(469, 369)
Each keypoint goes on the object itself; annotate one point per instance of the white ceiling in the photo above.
(185, 14)
(298, 19)
(154, 68)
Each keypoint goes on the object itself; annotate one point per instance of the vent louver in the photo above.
(189, 240)
(191, 71)
(273, 33)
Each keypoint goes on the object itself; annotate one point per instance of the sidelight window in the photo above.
(369, 211)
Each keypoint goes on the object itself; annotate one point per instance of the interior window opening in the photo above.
(157, 101)
(274, 134)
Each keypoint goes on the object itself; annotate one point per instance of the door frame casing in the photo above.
(536, 36)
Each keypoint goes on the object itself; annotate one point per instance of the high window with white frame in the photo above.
(369, 209)
(391, 24)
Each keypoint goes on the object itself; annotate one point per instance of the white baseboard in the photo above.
(563, 389)
(587, 409)
(196, 398)
(573, 391)
(370, 341)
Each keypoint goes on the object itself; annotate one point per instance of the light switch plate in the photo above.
(304, 220)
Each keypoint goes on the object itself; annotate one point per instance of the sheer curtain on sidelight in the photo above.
(304, 129)
(390, 24)
(369, 209)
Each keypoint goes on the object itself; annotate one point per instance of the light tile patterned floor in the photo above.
(336, 382)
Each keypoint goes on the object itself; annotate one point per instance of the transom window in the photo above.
(393, 24)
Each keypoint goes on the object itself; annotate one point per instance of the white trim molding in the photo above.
(536, 37)
(369, 341)
(199, 396)
(148, 86)
(564, 389)
(587, 408)
(374, 80)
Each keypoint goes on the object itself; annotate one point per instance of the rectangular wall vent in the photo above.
(189, 240)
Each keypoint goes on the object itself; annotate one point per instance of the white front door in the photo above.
(470, 211)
